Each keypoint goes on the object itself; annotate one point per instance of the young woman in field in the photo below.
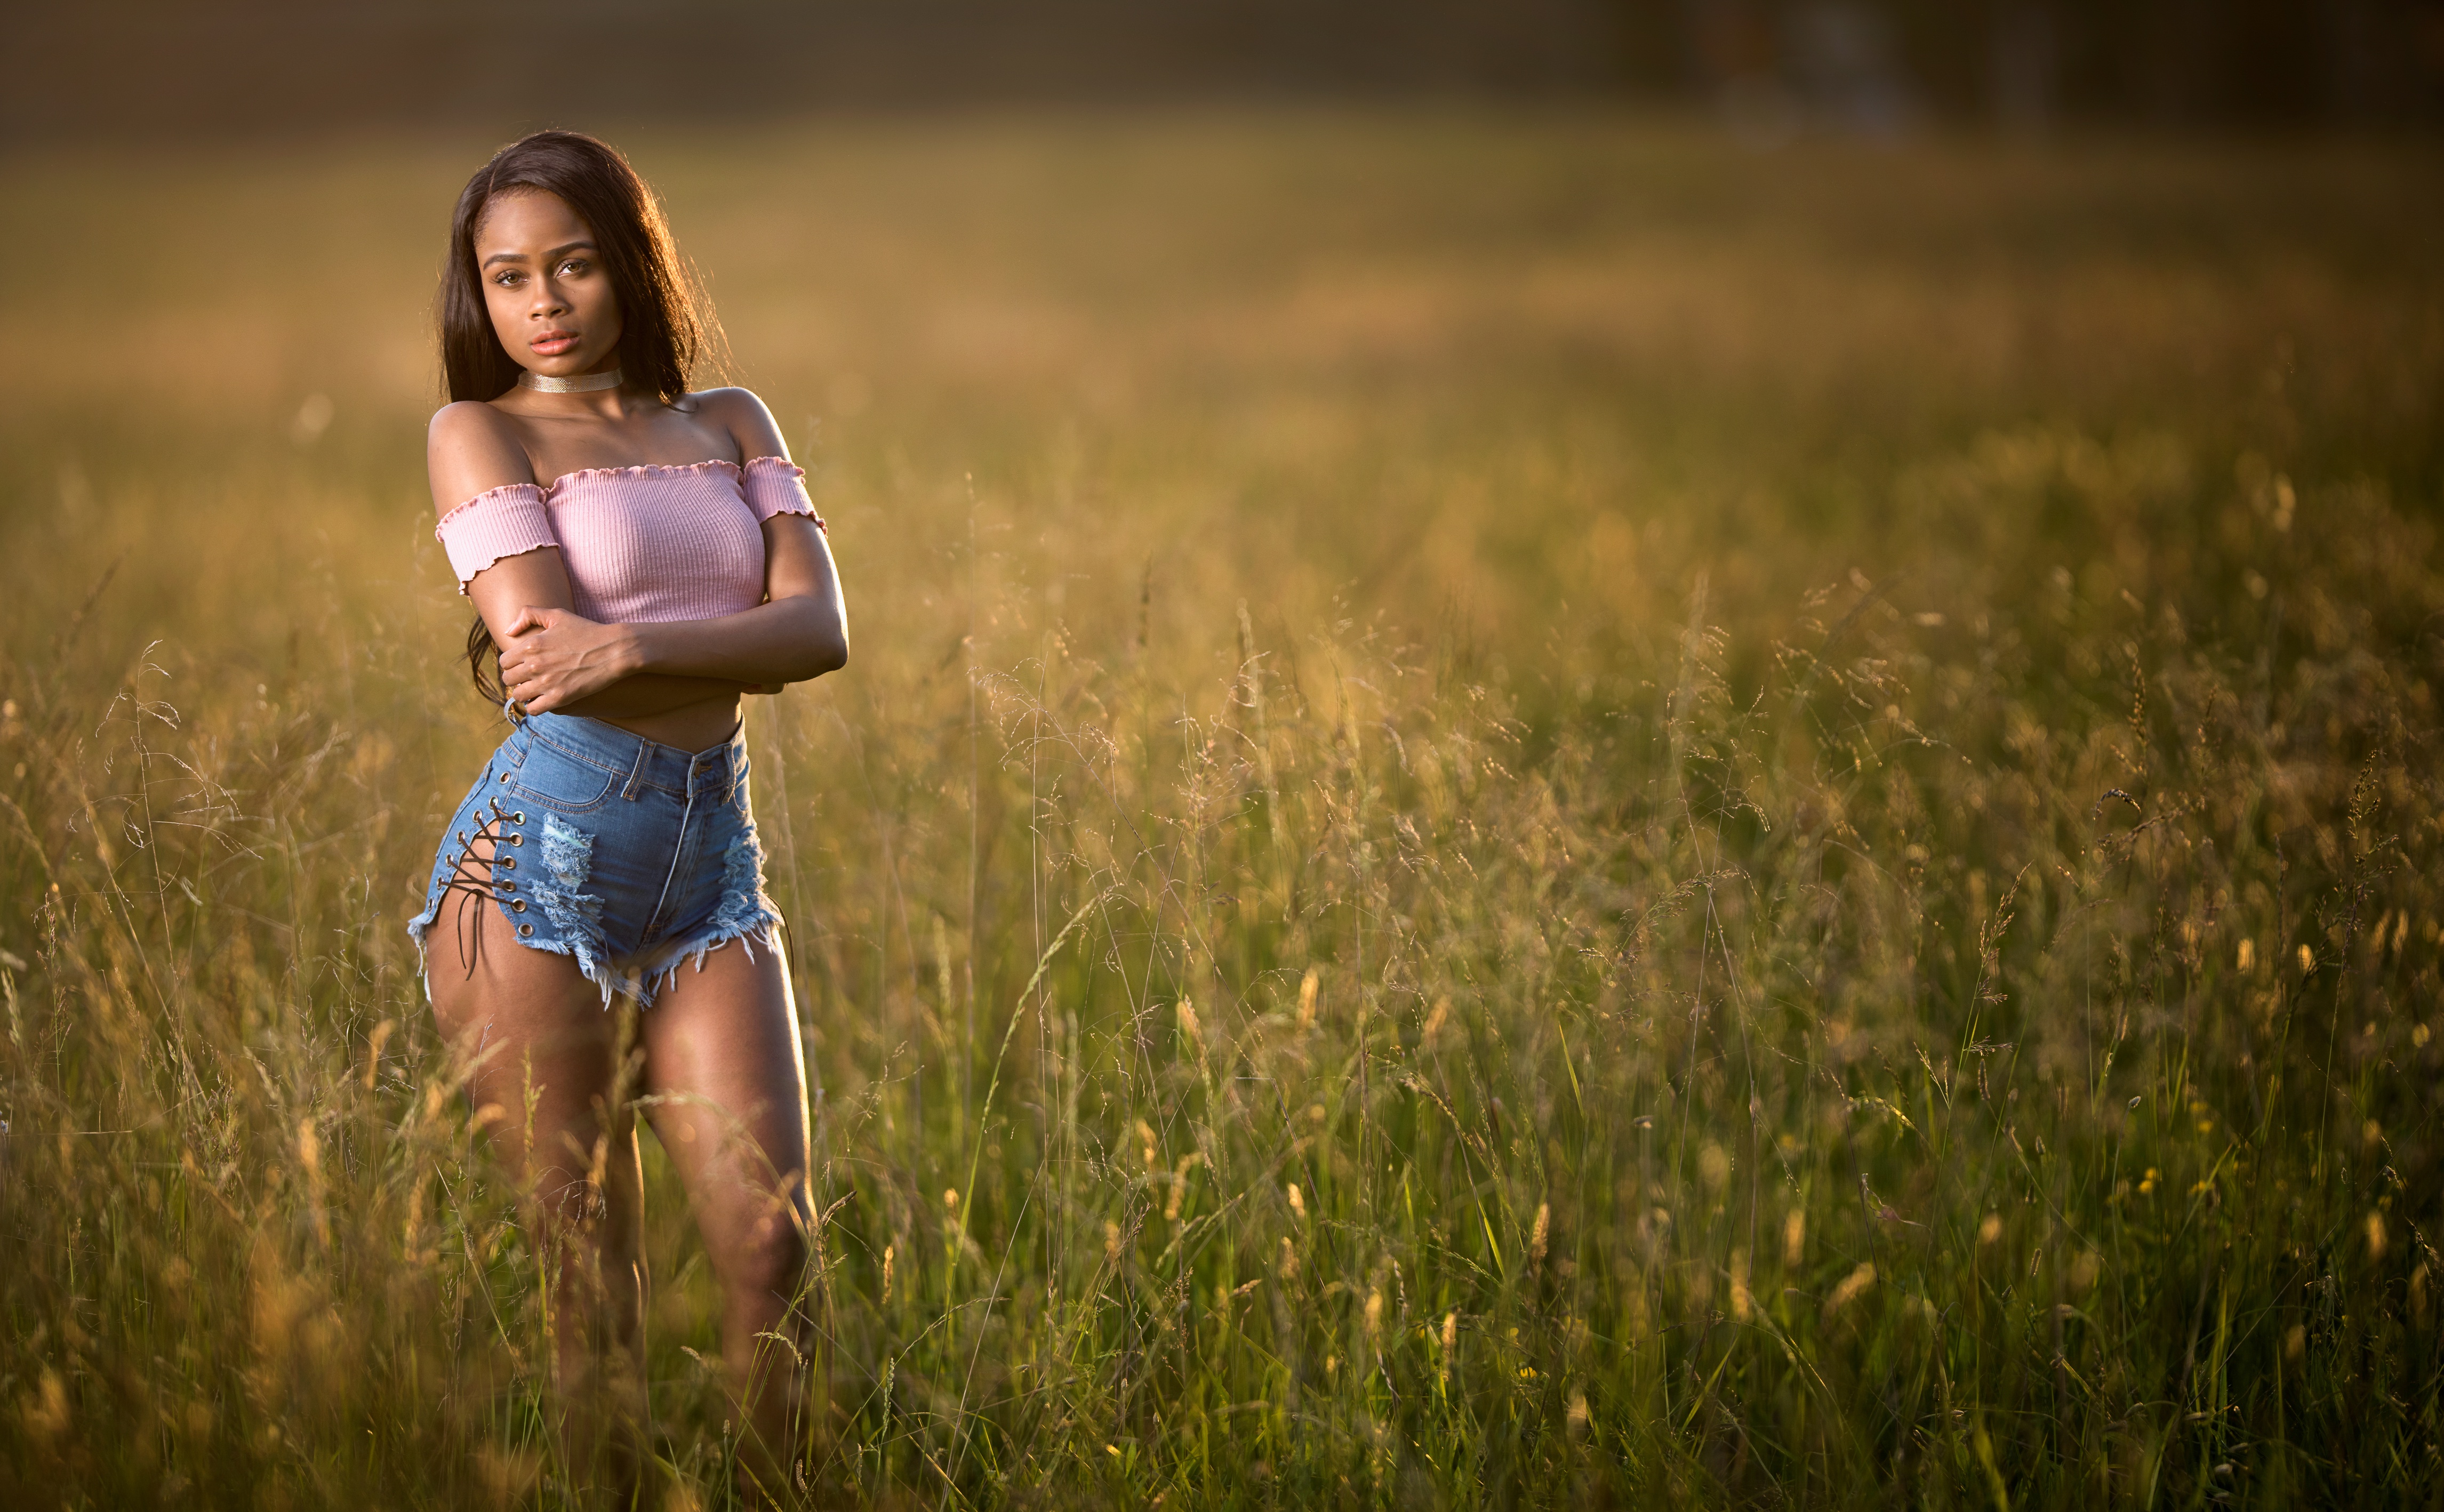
(595, 931)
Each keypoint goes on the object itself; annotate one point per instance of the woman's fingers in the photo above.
(521, 649)
(544, 659)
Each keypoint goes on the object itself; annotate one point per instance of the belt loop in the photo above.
(637, 773)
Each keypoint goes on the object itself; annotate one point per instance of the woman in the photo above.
(595, 930)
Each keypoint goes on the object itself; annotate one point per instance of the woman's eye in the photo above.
(506, 279)
(572, 267)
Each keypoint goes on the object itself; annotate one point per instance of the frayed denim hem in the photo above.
(417, 929)
(745, 914)
(612, 983)
(755, 922)
(765, 931)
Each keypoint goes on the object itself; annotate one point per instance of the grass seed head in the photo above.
(1852, 1287)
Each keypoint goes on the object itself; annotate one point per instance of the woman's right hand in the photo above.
(551, 657)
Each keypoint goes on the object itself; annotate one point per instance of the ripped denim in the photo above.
(631, 858)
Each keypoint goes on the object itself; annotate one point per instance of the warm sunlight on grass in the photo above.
(1530, 812)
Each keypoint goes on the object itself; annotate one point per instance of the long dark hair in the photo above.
(665, 326)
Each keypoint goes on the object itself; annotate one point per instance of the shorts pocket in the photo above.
(559, 782)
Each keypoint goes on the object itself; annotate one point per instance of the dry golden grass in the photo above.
(1530, 812)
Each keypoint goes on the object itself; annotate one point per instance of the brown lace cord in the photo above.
(464, 878)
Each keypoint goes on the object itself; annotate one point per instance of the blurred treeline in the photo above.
(153, 67)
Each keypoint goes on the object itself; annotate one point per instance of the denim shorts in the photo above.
(629, 855)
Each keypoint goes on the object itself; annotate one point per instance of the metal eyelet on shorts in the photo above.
(462, 836)
(526, 931)
(518, 818)
(504, 776)
(518, 905)
(518, 840)
(507, 864)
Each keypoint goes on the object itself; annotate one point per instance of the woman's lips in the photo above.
(552, 345)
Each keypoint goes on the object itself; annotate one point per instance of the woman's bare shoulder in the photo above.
(746, 417)
(471, 447)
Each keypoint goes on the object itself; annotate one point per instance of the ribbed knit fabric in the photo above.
(641, 544)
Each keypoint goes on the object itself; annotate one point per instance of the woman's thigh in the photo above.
(546, 1054)
(729, 1103)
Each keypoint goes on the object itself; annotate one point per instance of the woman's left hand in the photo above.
(555, 657)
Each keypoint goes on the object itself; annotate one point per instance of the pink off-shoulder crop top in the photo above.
(641, 544)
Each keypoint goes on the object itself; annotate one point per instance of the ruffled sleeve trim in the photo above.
(509, 521)
(773, 485)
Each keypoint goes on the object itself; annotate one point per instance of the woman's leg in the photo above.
(553, 1088)
(729, 1103)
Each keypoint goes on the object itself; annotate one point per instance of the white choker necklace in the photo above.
(584, 383)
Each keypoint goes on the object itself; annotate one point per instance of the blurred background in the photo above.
(1438, 316)
(125, 67)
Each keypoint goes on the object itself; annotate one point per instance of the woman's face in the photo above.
(545, 284)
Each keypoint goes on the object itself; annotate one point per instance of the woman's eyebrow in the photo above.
(557, 251)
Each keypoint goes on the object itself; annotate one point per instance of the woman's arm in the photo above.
(469, 451)
(553, 658)
(518, 594)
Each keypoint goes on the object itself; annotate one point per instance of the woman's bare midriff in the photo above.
(693, 728)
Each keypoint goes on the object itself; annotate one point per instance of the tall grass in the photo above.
(1530, 814)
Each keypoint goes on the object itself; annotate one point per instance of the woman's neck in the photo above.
(611, 405)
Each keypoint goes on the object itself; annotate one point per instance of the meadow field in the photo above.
(1532, 811)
